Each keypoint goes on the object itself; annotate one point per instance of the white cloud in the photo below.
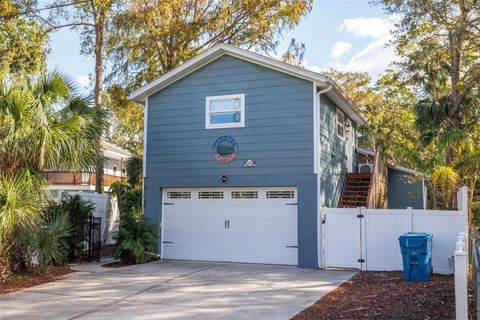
(313, 68)
(368, 27)
(377, 55)
(339, 48)
(83, 80)
(374, 58)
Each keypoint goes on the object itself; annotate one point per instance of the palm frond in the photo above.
(21, 201)
(455, 138)
(430, 114)
(44, 123)
(48, 242)
(446, 178)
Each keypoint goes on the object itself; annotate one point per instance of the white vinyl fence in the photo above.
(105, 208)
(367, 239)
(461, 279)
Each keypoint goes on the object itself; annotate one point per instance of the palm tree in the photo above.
(44, 123)
(450, 149)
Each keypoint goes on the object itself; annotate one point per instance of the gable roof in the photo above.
(336, 94)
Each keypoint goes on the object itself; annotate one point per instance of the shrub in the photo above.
(19, 253)
(48, 243)
(134, 167)
(78, 210)
(134, 239)
(21, 208)
(129, 198)
(132, 200)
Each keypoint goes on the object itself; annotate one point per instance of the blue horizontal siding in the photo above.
(283, 162)
(182, 138)
(198, 122)
(275, 103)
(333, 155)
(258, 112)
(278, 135)
(260, 155)
(153, 149)
(266, 129)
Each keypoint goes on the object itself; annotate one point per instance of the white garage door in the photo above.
(255, 225)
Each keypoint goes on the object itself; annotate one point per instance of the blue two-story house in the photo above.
(241, 152)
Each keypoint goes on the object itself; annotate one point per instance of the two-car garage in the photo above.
(253, 225)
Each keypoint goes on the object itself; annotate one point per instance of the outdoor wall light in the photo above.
(223, 178)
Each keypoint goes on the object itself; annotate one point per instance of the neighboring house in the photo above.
(241, 153)
(63, 180)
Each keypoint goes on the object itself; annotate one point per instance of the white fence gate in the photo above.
(342, 248)
(367, 239)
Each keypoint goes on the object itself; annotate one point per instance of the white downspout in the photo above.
(319, 93)
(320, 238)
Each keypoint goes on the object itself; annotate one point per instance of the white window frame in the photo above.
(339, 123)
(240, 124)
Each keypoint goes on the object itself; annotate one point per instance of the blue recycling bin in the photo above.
(416, 248)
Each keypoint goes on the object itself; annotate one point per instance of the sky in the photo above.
(349, 35)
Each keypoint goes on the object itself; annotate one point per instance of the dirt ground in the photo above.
(385, 295)
(19, 281)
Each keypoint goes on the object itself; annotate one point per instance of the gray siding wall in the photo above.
(402, 192)
(278, 135)
(333, 154)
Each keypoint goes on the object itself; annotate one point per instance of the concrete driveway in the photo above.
(176, 290)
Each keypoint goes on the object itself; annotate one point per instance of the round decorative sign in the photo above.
(225, 149)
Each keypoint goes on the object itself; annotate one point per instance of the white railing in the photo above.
(371, 235)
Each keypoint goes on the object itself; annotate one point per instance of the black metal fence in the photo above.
(475, 256)
(94, 239)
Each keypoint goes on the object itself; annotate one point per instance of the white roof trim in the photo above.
(336, 95)
(407, 170)
(347, 106)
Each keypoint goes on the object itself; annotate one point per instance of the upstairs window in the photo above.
(225, 111)
(340, 124)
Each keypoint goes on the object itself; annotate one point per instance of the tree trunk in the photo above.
(119, 193)
(456, 39)
(99, 18)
